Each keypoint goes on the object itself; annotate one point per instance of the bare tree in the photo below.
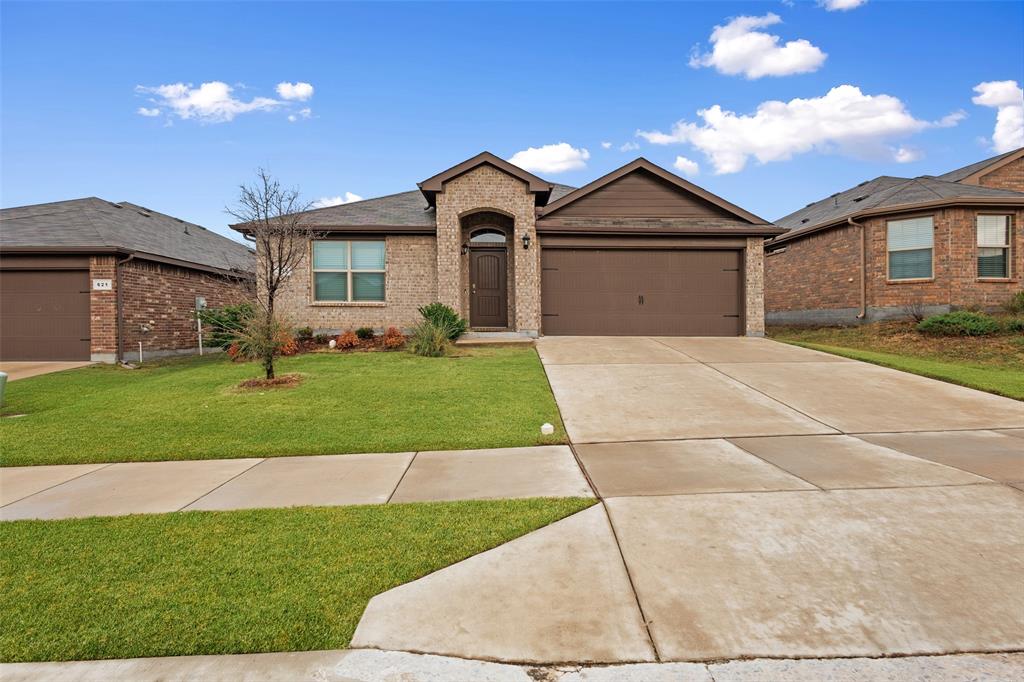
(270, 216)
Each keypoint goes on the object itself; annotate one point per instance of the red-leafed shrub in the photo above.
(348, 340)
(286, 343)
(234, 350)
(393, 338)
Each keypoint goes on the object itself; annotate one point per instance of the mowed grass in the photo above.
(988, 363)
(356, 402)
(230, 582)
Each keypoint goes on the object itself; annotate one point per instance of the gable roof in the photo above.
(406, 209)
(673, 179)
(95, 224)
(887, 194)
(971, 173)
(435, 183)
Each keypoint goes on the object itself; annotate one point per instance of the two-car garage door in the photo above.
(44, 314)
(617, 292)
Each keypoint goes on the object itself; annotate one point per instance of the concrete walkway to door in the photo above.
(757, 500)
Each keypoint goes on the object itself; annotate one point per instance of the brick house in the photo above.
(88, 279)
(638, 251)
(877, 250)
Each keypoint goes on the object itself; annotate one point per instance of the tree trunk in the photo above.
(268, 365)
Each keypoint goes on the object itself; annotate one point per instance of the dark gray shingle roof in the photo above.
(961, 173)
(95, 223)
(883, 192)
(405, 208)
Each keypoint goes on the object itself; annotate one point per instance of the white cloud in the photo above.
(844, 119)
(952, 119)
(298, 92)
(551, 158)
(606, 145)
(686, 166)
(324, 202)
(840, 5)
(305, 112)
(1007, 98)
(629, 147)
(737, 48)
(145, 111)
(211, 102)
(904, 154)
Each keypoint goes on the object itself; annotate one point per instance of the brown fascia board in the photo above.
(793, 235)
(434, 184)
(352, 229)
(672, 178)
(116, 251)
(975, 178)
(553, 227)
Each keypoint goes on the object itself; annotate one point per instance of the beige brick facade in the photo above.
(409, 283)
(486, 188)
(754, 291)
(1010, 176)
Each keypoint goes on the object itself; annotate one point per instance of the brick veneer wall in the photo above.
(819, 277)
(1010, 176)
(163, 297)
(103, 310)
(486, 188)
(754, 282)
(409, 283)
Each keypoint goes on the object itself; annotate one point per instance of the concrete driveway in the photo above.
(757, 500)
(24, 370)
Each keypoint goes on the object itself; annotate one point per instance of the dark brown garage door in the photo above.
(44, 314)
(643, 292)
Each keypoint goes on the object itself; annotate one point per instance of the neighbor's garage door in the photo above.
(641, 292)
(44, 315)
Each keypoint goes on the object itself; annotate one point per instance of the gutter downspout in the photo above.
(863, 269)
(119, 298)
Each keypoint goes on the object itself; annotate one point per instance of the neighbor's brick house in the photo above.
(88, 279)
(638, 251)
(891, 244)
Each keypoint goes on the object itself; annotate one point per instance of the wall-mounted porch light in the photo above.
(526, 240)
(465, 248)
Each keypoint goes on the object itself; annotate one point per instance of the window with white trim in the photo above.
(910, 248)
(993, 246)
(347, 271)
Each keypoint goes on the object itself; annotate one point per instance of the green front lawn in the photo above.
(356, 402)
(230, 582)
(988, 363)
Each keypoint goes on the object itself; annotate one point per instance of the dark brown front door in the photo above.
(625, 292)
(44, 315)
(488, 288)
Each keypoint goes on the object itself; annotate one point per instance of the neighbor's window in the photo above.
(348, 271)
(910, 248)
(994, 246)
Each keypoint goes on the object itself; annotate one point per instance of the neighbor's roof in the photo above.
(92, 223)
(962, 174)
(885, 192)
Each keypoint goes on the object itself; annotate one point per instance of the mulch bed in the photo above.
(283, 381)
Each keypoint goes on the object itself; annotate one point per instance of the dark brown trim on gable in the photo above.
(643, 164)
(896, 210)
(975, 177)
(434, 184)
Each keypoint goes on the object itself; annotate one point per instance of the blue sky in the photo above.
(402, 91)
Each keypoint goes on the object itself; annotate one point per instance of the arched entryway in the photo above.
(488, 270)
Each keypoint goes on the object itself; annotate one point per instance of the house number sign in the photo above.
(103, 285)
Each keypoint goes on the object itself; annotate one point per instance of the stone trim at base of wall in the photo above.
(847, 316)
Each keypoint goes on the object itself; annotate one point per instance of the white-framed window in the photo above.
(910, 248)
(993, 246)
(345, 271)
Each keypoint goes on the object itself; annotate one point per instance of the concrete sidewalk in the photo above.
(79, 490)
(355, 665)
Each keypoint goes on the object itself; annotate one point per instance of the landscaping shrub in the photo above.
(226, 323)
(364, 333)
(1015, 324)
(959, 323)
(393, 338)
(347, 340)
(304, 333)
(1015, 306)
(287, 345)
(444, 317)
(431, 339)
(322, 339)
